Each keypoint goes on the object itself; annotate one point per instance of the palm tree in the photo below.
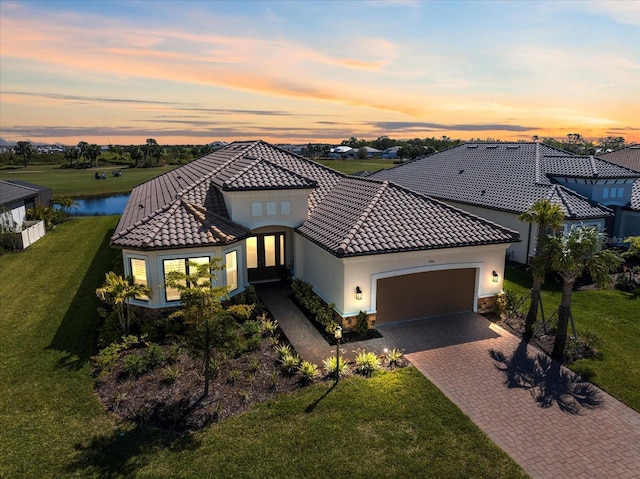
(548, 217)
(572, 254)
(25, 149)
(118, 291)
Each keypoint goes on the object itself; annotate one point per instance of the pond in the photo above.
(100, 205)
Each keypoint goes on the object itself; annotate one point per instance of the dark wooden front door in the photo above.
(265, 257)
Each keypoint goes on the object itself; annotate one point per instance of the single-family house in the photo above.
(627, 216)
(499, 181)
(16, 197)
(364, 245)
(391, 153)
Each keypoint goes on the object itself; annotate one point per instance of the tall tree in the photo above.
(571, 255)
(118, 292)
(92, 153)
(25, 149)
(547, 217)
(211, 325)
(82, 146)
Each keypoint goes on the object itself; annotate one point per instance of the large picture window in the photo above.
(139, 274)
(180, 265)
(231, 269)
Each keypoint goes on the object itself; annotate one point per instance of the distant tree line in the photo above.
(150, 154)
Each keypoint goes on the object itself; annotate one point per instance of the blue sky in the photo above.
(195, 72)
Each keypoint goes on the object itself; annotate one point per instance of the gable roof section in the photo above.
(360, 217)
(250, 173)
(502, 176)
(584, 167)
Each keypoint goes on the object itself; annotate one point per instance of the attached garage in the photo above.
(430, 293)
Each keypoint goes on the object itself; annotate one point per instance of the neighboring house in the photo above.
(627, 216)
(391, 153)
(16, 197)
(499, 181)
(343, 151)
(364, 245)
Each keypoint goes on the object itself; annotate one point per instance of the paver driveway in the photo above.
(540, 413)
(548, 421)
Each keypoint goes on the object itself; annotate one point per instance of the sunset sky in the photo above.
(116, 72)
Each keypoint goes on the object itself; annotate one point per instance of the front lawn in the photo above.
(614, 317)
(53, 426)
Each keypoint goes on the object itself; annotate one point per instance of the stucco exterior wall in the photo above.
(272, 210)
(629, 224)
(336, 279)
(155, 271)
(517, 251)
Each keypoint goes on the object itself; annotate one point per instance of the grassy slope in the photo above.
(614, 316)
(76, 183)
(53, 426)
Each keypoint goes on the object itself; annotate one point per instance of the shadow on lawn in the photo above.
(76, 335)
(124, 451)
(547, 381)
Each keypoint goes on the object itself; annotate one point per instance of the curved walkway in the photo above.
(548, 420)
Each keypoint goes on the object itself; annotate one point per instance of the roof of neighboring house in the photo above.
(629, 157)
(348, 216)
(16, 190)
(506, 176)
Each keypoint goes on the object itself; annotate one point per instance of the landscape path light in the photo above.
(338, 335)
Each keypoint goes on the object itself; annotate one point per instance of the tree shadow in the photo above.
(76, 335)
(124, 451)
(547, 381)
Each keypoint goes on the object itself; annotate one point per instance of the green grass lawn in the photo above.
(614, 316)
(393, 425)
(353, 166)
(81, 182)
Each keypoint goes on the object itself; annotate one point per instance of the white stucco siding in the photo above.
(255, 209)
(365, 271)
(322, 270)
(155, 268)
(517, 251)
(336, 279)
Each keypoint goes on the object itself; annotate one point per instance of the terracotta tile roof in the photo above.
(250, 173)
(360, 217)
(502, 176)
(243, 165)
(348, 216)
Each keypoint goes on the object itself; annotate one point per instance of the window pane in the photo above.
(231, 268)
(198, 261)
(139, 273)
(272, 208)
(269, 250)
(252, 252)
(285, 208)
(281, 249)
(171, 265)
(620, 192)
(256, 209)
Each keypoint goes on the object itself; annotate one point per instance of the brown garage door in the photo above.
(418, 295)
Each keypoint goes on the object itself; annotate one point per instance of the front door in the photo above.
(265, 257)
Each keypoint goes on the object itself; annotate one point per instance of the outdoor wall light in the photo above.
(358, 293)
(494, 276)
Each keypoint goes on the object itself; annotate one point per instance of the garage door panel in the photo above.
(431, 293)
